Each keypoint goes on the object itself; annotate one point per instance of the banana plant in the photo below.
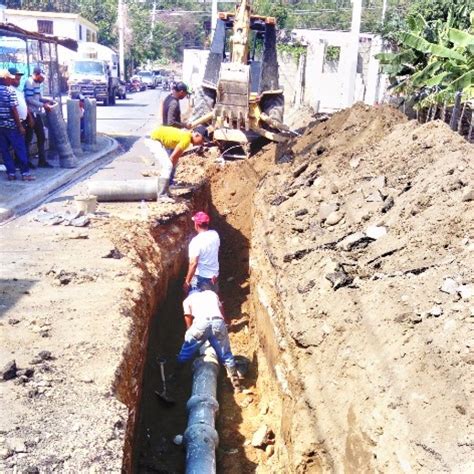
(432, 72)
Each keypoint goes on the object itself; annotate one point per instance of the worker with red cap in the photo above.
(203, 256)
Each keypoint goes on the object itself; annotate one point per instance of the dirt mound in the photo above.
(351, 244)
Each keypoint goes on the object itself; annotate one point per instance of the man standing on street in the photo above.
(171, 113)
(11, 129)
(203, 252)
(25, 115)
(168, 144)
(204, 320)
(36, 103)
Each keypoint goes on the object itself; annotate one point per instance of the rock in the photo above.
(333, 188)
(375, 232)
(17, 445)
(45, 355)
(374, 197)
(436, 311)
(301, 212)
(262, 437)
(178, 440)
(9, 371)
(13, 321)
(28, 373)
(334, 218)
(326, 209)
(339, 278)
(416, 318)
(466, 291)
(80, 221)
(388, 204)
(379, 182)
(269, 451)
(468, 195)
(358, 240)
(449, 286)
(354, 163)
(5, 453)
(114, 253)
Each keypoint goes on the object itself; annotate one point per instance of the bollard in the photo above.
(201, 438)
(129, 190)
(74, 125)
(90, 124)
(58, 132)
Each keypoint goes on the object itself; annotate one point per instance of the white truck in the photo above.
(94, 73)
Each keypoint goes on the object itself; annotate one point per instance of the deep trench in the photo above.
(153, 450)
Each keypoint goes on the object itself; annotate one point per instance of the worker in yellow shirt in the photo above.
(168, 144)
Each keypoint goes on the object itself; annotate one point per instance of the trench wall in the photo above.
(158, 251)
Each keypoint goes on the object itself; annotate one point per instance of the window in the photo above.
(45, 27)
(80, 32)
(332, 55)
(88, 35)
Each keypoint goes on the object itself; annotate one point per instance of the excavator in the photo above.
(240, 98)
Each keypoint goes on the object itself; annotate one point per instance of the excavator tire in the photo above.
(274, 106)
(204, 100)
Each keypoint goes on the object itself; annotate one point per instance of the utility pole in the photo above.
(213, 18)
(153, 14)
(384, 10)
(352, 54)
(121, 28)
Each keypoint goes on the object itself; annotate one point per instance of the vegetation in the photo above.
(434, 53)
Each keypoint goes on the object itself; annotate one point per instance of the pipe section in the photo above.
(74, 125)
(130, 190)
(201, 438)
(90, 124)
(58, 131)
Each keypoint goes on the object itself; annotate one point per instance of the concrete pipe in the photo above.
(130, 190)
(74, 125)
(90, 124)
(201, 438)
(58, 132)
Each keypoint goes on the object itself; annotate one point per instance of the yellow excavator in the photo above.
(240, 98)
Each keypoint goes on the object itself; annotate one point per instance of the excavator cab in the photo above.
(240, 94)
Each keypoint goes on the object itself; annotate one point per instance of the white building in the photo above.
(69, 25)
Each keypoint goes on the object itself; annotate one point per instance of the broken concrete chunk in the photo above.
(436, 311)
(80, 221)
(468, 195)
(339, 278)
(9, 371)
(354, 163)
(388, 204)
(466, 291)
(358, 240)
(334, 218)
(375, 232)
(326, 209)
(375, 197)
(262, 437)
(17, 445)
(449, 286)
(379, 182)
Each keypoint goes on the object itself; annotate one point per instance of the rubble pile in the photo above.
(363, 245)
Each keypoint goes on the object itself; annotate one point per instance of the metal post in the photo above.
(74, 125)
(90, 124)
(201, 438)
(453, 123)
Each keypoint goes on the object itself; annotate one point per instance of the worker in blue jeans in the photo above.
(11, 129)
(205, 323)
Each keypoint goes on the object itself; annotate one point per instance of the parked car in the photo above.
(122, 90)
(148, 78)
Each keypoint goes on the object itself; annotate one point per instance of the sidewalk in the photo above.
(17, 197)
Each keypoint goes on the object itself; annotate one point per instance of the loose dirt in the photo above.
(358, 359)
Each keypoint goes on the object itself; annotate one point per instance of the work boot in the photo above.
(234, 379)
(162, 191)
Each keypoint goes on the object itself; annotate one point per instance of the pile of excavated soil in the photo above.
(352, 242)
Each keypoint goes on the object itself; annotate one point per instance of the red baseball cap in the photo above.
(201, 218)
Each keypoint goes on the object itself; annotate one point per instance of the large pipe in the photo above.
(129, 190)
(201, 438)
(58, 131)
(90, 124)
(74, 125)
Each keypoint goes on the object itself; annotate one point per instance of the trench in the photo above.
(149, 446)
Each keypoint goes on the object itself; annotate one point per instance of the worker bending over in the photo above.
(205, 322)
(203, 256)
(168, 144)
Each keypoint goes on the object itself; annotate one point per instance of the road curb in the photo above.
(30, 198)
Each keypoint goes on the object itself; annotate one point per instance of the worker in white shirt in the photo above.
(203, 256)
(26, 118)
(205, 322)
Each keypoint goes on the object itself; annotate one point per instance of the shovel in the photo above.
(163, 395)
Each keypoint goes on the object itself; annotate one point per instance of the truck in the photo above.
(94, 73)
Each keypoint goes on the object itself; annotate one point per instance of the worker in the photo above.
(171, 112)
(203, 256)
(205, 322)
(168, 144)
(36, 104)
